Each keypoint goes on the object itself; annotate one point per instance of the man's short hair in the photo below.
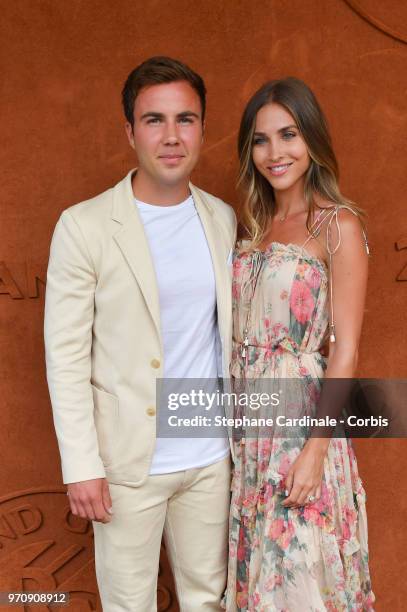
(155, 71)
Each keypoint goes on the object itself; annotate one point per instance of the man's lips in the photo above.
(171, 159)
(171, 156)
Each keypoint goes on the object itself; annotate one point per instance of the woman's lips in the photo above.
(279, 170)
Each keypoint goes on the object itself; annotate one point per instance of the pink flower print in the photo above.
(345, 531)
(241, 599)
(288, 565)
(256, 542)
(348, 522)
(273, 581)
(241, 550)
(352, 455)
(237, 265)
(269, 584)
(250, 500)
(268, 492)
(276, 528)
(301, 301)
(236, 289)
(284, 295)
(285, 464)
(311, 514)
(356, 563)
(331, 559)
(322, 503)
(313, 278)
(262, 466)
(264, 448)
(287, 535)
(255, 600)
(369, 601)
(276, 329)
(351, 515)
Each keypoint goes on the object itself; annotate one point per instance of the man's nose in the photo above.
(171, 136)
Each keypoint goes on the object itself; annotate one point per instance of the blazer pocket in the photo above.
(106, 416)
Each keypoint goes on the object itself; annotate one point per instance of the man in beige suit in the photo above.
(139, 288)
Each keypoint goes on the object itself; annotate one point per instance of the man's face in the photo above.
(167, 132)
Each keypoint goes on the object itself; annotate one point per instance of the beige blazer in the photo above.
(102, 331)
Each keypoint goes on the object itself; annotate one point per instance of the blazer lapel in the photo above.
(219, 250)
(133, 243)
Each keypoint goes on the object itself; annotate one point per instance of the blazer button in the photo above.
(155, 363)
(151, 411)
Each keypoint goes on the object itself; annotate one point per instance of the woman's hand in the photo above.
(305, 475)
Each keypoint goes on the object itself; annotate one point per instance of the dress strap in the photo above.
(332, 249)
(316, 226)
(331, 214)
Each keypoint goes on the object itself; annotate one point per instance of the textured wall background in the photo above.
(63, 64)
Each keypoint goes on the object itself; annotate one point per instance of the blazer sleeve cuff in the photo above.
(78, 472)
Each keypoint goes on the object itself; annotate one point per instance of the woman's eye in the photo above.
(259, 140)
(289, 135)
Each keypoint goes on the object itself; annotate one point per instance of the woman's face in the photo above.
(279, 151)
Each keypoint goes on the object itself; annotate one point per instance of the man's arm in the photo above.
(69, 311)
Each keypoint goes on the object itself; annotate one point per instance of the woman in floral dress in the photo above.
(298, 530)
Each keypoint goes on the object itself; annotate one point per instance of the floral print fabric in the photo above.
(313, 558)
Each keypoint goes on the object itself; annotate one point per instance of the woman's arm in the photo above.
(349, 281)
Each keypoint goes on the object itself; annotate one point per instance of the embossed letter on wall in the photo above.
(43, 547)
(22, 280)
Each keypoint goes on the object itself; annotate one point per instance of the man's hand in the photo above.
(91, 500)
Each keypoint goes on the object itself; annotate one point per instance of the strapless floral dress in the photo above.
(313, 558)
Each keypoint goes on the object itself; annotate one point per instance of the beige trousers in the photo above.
(191, 508)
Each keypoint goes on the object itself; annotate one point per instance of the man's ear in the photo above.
(130, 135)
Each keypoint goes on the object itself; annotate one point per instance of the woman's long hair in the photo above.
(322, 175)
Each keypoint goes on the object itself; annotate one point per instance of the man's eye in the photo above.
(185, 120)
(153, 120)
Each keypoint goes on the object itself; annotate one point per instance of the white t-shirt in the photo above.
(187, 294)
